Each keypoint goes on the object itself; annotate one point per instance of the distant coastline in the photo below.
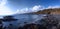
(45, 11)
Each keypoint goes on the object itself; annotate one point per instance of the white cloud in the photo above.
(24, 10)
(35, 8)
(52, 7)
(4, 10)
(3, 2)
(27, 10)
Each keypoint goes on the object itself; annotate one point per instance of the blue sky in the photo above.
(31, 3)
(20, 4)
(24, 6)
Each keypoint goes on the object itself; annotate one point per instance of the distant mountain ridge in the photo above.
(45, 11)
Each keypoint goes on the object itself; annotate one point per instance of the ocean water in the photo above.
(21, 18)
